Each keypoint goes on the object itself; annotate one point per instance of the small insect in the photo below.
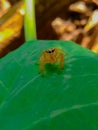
(51, 56)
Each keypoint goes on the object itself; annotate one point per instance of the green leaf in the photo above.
(67, 101)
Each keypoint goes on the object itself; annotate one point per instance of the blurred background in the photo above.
(55, 19)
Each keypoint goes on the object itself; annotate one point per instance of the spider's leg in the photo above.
(42, 68)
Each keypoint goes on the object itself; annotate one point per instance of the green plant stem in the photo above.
(30, 22)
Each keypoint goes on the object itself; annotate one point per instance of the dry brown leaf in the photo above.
(79, 7)
(93, 21)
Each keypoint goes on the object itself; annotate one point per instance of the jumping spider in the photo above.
(51, 56)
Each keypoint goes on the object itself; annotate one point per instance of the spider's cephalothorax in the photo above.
(51, 56)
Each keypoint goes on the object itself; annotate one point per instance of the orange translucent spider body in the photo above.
(51, 56)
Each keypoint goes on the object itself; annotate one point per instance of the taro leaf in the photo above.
(66, 101)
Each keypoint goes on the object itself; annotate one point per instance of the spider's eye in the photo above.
(49, 51)
(52, 50)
